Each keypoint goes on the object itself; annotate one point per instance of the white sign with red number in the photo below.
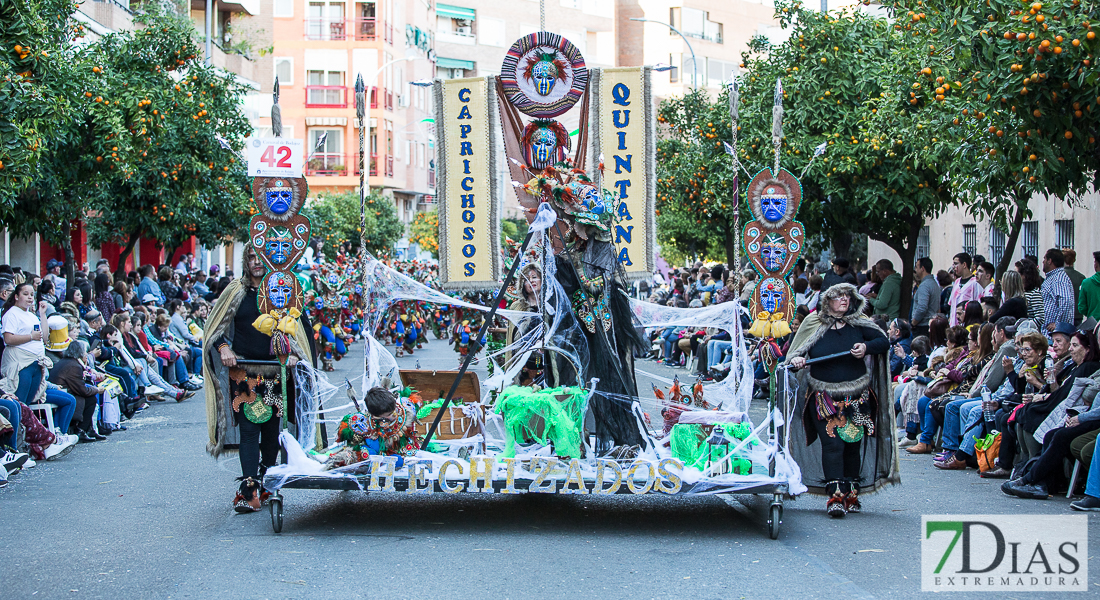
(275, 157)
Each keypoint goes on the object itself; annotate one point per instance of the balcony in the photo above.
(335, 164)
(366, 29)
(326, 96)
(463, 36)
(389, 100)
(328, 164)
(324, 28)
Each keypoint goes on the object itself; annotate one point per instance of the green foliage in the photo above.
(128, 135)
(335, 220)
(424, 230)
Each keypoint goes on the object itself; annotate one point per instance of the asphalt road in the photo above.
(147, 514)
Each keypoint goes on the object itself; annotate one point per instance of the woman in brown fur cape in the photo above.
(843, 402)
(237, 398)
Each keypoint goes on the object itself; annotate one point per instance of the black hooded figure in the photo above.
(843, 402)
(608, 326)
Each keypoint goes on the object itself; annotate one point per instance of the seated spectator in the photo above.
(940, 378)
(900, 345)
(179, 312)
(1047, 473)
(162, 340)
(69, 374)
(148, 371)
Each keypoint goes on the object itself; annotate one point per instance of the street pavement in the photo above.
(146, 514)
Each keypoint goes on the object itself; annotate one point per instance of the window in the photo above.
(284, 70)
(923, 244)
(674, 71)
(996, 245)
(283, 8)
(490, 32)
(1029, 238)
(1063, 234)
(695, 23)
(575, 4)
(326, 88)
(970, 239)
(325, 21)
(408, 152)
(693, 71)
(719, 71)
(327, 148)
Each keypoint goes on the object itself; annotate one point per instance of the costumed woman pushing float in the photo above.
(841, 402)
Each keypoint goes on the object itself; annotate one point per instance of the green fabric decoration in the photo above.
(427, 409)
(688, 444)
(541, 416)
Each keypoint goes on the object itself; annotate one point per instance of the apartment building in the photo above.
(714, 34)
(320, 49)
(1054, 223)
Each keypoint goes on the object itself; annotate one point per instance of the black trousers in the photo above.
(840, 460)
(257, 440)
(1048, 469)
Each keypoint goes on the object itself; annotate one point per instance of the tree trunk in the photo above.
(1010, 243)
(842, 244)
(131, 241)
(67, 246)
(731, 249)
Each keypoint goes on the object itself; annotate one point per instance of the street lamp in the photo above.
(694, 64)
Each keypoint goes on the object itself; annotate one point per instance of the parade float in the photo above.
(579, 424)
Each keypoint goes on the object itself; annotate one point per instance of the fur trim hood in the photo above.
(856, 305)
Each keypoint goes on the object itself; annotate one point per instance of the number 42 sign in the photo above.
(275, 157)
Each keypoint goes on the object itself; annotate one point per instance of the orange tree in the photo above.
(842, 77)
(424, 230)
(1013, 87)
(335, 219)
(179, 170)
(44, 120)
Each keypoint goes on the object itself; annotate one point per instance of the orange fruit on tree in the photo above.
(1069, 135)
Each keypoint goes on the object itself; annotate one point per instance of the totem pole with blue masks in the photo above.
(773, 239)
(279, 234)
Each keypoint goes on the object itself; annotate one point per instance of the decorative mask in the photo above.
(587, 196)
(333, 280)
(544, 72)
(544, 146)
(343, 302)
(278, 201)
(772, 294)
(773, 252)
(319, 304)
(359, 289)
(544, 143)
(280, 289)
(278, 246)
(773, 203)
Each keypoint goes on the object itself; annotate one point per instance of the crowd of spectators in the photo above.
(994, 375)
(88, 353)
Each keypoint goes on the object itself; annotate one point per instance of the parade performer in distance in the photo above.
(388, 428)
(843, 404)
(251, 401)
(527, 300)
(330, 324)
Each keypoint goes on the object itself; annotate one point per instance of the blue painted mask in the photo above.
(772, 294)
(545, 75)
(279, 290)
(278, 201)
(773, 203)
(544, 148)
(773, 252)
(277, 246)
